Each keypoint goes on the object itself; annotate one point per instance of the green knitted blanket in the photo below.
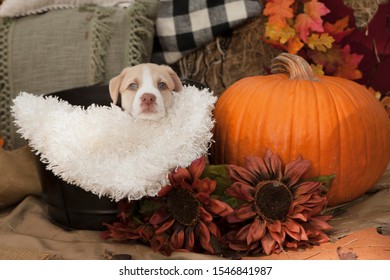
(69, 48)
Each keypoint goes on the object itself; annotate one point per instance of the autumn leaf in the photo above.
(310, 20)
(321, 42)
(339, 29)
(346, 254)
(280, 35)
(278, 11)
(294, 45)
(375, 93)
(338, 61)
(349, 67)
(316, 10)
(302, 25)
(1, 142)
(317, 69)
(385, 229)
(330, 59)
(386, 104)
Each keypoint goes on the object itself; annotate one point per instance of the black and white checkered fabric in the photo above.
(185, 25)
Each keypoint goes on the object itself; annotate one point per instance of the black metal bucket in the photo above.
(70, 206)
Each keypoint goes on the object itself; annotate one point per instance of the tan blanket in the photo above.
(27, 233)
(26, 228)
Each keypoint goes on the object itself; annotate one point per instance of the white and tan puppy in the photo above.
(145, 89)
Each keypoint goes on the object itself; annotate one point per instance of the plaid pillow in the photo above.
(183, 25)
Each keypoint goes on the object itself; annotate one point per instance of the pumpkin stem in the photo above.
(294, 65)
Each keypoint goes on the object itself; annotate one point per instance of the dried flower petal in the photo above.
(319, 223)
(241, 191)
(268, 243)
(257, 167)
(165, 226)
(243, 233)
(307, 188)
(205, 185)
(256, 231)
(204, 237)
(291, 225)
(274, 165)
(240, 174)
(218, 207)
(294, 170)
(165, 190)
(190, 242)
(243, 212)
(160, 217)
(177, 239)
(206, 216)
(196, 168)
(178, 176)
(159, 243)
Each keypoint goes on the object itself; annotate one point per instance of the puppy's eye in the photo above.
(133, 86)
(162, 86)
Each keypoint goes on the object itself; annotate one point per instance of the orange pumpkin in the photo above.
(336, 123)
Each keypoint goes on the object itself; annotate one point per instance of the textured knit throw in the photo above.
(70, 48)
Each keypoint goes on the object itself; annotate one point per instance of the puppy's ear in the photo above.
(175, 79)
(114, 86)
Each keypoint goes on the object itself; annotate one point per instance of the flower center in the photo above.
(273, 200)
(184, 207)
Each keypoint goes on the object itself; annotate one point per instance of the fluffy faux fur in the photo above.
(105, 151)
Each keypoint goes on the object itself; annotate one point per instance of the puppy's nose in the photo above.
(148, 98)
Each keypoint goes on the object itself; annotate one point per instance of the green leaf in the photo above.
(326, 181)
(220, 174)
(149, 206)
(231, 201)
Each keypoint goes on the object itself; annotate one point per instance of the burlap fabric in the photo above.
(363, 10)
(27, 233)
(24, 254)
(18, 176)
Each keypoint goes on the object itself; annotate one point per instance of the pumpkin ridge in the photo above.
(296, 115)
(292, 126)
(344, 128)
(279, 88)
(354, 96)
(244, 117)
(260, 120)
(224, 147)
(270, 89)
(228, 132)
(352, 100)
(318, 118)
(331, 94)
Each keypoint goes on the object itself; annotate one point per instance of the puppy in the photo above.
(145, 89)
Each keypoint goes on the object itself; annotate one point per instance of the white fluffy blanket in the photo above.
(105, 151)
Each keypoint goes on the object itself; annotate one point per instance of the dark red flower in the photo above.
(278, 209)
(127, 228)
(186, 221)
